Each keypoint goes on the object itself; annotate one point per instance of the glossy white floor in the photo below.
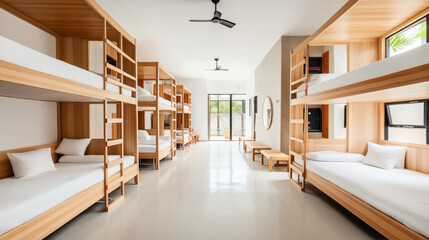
(214, 191)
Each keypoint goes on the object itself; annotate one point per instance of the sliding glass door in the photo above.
(227, 117)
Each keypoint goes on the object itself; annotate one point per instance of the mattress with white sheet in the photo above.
(26, 198)
(23, 56)
(179, 137)
(151, 148)
(400, 193)
(152, 98)
(412, 58)
(179, 105)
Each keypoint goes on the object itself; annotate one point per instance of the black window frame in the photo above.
(388, 118)
(386, 40)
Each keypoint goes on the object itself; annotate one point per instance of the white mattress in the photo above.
(179, 105)
(412, 58)
(151, 148)
(179, 137)
(400, 193)
(152, 98)
(21, 55)
(24, 199)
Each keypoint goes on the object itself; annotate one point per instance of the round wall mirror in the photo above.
(267, 113)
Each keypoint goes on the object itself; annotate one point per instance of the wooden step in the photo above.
(298, 81)
(301, 89)
(296, 168)
(297, 121)
(114, 163)
(114, 46)
(114, 120)
(297, 65)
(296, 154)
(115, 203)
(114, 142)
(113, 68)
(112, 185)
(296, 184)
(297, 139)
(119, 84)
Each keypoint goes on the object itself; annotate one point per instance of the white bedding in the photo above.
(24, 199)
(152, 98)
(179, 105)
(400, 193)
(21, 55)
(412, 58)
(164, 142)
(179, 137)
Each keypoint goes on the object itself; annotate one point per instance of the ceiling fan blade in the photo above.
(200, 20)
(223, 69)
(227, 23)
(210, 70)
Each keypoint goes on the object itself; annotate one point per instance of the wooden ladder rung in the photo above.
(114, 120)
(297, 169)
(297, 65)
(296, 154)
(114, 142)
(113, 68)
(297, 121)
(111, 44)
(296, 184)
(119, 84)
(115, 162)
(298, 81)
(297, 139)
(113, 184)
(301, 89)
(115, 203)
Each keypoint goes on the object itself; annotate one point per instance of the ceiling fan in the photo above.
(217, 68)
(217, 17)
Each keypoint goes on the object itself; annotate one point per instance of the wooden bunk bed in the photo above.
(163, 102)
(67, 82)
(362, 25)
(184, 116)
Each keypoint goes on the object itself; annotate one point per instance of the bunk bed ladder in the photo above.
(173, 123)
(298, 124)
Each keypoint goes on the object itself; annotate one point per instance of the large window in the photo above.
(412, 36)
(407, 122)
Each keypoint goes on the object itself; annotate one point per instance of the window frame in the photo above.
(386, 39)
(388, 118)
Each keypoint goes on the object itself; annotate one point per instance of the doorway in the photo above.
(227, 117)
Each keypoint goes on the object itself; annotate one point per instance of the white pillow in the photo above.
(143, 135)
(386, 157)
(73, 146)
(32, 163)
(87, 159)
(331, 156)
(143, 92)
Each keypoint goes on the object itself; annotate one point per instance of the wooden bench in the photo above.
(277, 156)
(249, 143)
(244, 140)
(257, 148)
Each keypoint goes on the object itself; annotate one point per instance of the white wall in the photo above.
(226, 87)
(198, 88)
(24, 122)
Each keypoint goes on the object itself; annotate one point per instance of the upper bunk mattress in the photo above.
(413, 58)
(152, 98)
(25, 199)
(179, 105)
(400, 193)
(23, 56)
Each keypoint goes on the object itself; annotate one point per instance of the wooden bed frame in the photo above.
(184, 116)
(49, 221)
(365, 100)
(165, 87)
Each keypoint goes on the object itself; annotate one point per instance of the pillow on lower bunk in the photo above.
(87, 159)
(143, 92)
(332, 156)
(143, 135)
(73, 146)
(32, 163)
(386, 157)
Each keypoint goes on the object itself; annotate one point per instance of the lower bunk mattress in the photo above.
(151, 148)
(24, 199)
(400, 193)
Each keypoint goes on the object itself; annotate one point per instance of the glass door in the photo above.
(226, 117)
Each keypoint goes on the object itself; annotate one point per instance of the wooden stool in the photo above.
(257, 148)
(244, 140)
(272, 156)
(249, 143)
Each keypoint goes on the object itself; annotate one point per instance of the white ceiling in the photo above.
(164, 33)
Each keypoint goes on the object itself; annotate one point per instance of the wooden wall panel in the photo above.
(75, 51)
(338, 145)
(130, 130)
(361, 54)
(363, 126)
(417, 157)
